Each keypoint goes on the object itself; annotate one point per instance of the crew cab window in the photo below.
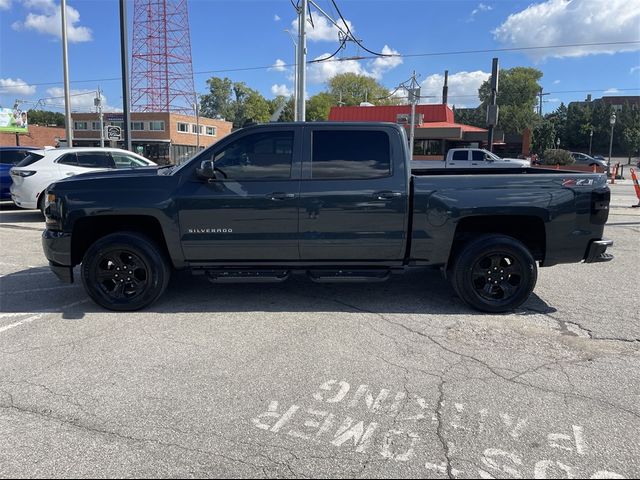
(258, 156)
(460, 155)
(477, 156)
(95, 160)
(126, 161)
(350, 154)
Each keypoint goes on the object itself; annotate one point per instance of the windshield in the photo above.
(29, 159)
(492, 155)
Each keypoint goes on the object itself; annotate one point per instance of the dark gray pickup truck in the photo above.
(334, 201)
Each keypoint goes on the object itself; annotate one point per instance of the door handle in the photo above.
(69, 174)
(280, 196)
(386, 195)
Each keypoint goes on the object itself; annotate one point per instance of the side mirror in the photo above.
(206, 170)
(487, 158)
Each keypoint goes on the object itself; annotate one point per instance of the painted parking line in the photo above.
(37, 316)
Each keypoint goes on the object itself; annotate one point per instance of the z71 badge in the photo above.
(577, 182)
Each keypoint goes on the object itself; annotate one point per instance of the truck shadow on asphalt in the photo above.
(419, 291)
(10, 213)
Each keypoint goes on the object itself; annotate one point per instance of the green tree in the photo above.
(543, 136)
(234, 101)
(517, 97)
(352, 89)
(319, 105)
(471, 116)
(559, 119)
(44, 117)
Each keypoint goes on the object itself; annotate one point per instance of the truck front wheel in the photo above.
(125, 271)
(494, 273)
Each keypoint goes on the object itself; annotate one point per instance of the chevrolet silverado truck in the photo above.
(334, 201)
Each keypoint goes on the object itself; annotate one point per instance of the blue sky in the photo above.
(228, 34)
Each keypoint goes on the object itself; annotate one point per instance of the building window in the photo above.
(183, 127)
(427, 147)
(211, 131)
(137, 126)
(195, 128)
(116, 124)
(95, 126)
(156, 126)
(80, 126)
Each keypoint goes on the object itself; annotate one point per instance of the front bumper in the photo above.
(596, 252)
(57, 249)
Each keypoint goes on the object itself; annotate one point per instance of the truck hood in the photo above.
(517, 161)
(111, 173)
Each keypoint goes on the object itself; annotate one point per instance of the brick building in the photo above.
(38, 136)
(162, 137)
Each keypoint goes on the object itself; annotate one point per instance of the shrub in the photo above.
(554, 156)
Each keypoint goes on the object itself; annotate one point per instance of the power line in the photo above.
(359, 58)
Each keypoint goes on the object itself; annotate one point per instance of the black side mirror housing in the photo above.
(206, 170)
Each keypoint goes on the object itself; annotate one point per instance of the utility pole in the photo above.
(65, 69)
(445, 88)
(98, 103)
(540, 103)
(295, 75)
(414, 96)
(301, 61)
(124, 59)
(492, 108)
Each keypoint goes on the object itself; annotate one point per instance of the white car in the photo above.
(41, 168)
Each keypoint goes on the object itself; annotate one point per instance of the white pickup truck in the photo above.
(471, 158)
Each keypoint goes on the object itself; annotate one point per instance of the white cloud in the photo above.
(81, 100)
(463, 88)
(480, 8)
(18, 87)
(45, 19)
(276, 18)
(634, 69)
(281, 90)
(5, 4)
(556, 82)
(384, 64)
(323, 71)
(557, 22)
(322, 30)
(611, 91)
(279, 65)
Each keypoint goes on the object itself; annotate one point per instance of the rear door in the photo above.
(459, 159)
(75, 163)
(354, 198)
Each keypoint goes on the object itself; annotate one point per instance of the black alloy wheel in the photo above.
(494, 273)
(125, 271)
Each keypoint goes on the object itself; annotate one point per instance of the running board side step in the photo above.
(349, 275)
(247, 276)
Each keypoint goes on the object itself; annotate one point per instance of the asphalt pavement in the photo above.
(300, 379)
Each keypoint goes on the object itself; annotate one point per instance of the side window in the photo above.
(350, 154)
(95, 160)
(258, 156)
(461, 155)
(69, 159)
(477, 156)
(125, 161)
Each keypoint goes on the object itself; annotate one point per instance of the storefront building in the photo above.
(161, 137)
(435, 131)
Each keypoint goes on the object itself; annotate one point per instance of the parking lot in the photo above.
(300, 379)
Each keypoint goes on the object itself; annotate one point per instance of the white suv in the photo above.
(41, 168)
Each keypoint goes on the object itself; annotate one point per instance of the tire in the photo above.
(41, 203)
(487, 255)
(125, 271)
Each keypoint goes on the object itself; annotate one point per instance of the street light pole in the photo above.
(295, 76)
(590, 140)
(301, 60)
(612, 121)
(65, 70)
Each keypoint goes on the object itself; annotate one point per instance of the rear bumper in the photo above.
(596, 251)
(57, 249)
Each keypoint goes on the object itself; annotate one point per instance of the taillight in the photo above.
(22, 173)
(600, 199)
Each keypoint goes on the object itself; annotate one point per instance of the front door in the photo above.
(250, 211)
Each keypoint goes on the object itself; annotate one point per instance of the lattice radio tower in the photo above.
(161, 67)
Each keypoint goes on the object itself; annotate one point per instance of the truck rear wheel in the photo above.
(125, 271)
(494, 273)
